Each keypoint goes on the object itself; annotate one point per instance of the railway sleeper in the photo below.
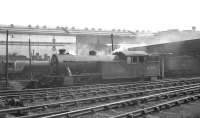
(114, 106)
(112, 97)
(67, 96)
(89, 101)
(158, 86)
(85, 111)
(125, 96)
(102, 99)
(20, 113)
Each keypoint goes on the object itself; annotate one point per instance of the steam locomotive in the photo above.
(120, 67)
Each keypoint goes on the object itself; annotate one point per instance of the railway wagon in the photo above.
(14, 68)
(129, 66)
(20, 69)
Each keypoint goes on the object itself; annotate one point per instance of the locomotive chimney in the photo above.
(92, 52)
(62, 51)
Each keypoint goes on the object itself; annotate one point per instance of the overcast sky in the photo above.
(153, 15)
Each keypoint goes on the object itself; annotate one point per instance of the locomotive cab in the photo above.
(149, 64)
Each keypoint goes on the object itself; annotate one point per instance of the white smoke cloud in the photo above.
(159, 38)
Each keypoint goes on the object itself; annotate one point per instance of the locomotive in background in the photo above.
(21, 75)
(20, 69)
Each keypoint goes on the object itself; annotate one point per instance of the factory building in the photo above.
(45, 41)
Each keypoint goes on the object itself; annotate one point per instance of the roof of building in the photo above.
(61, 31)
(135, 53)
(187, 47)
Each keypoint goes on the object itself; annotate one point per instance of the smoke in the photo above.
(141, 40)
(125, 47)
(103, 52)
(160, 38)
(173, 36)
(84, 49)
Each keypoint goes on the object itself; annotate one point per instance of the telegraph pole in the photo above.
(76, 46)
(111, 36)
(30, 56)
(6, 67)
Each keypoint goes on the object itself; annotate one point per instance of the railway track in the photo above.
(152, 103)
(47, 94)
(55, 93)
(81, 103)
(158, 107)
